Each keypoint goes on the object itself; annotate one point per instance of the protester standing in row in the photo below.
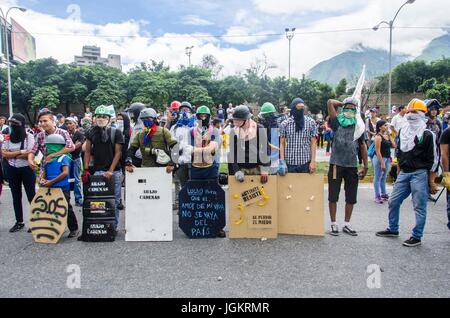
(417, 157)
(298, 146)
(348, 140)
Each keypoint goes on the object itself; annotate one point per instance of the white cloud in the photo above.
(307, 50)
(243, 35)
(299, 6)
(195, 20)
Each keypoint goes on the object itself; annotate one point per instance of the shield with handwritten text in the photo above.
(48, 215)
(202, 209)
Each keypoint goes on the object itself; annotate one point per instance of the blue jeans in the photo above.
(299, 169)
(448, 208)
(415, 183)
(379, 180)
(117, 177)
(76, 171)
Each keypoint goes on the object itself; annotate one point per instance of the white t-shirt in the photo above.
(27, 145)
(399, 122)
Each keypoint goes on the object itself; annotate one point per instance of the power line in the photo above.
(200, 36)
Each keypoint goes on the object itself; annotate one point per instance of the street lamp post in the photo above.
(189, 53)
(8, 66)
(390, 24)
(290, 33)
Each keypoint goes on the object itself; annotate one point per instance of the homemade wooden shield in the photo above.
(202, 209)
(48, 215)
(253, 208)
(300, 204)
(149, 215)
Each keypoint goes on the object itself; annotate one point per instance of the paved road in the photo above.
(287, 267)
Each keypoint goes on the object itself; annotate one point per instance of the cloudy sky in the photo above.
(237, 32)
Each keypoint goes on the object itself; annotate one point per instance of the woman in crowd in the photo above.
(15, 151)
(382, 160)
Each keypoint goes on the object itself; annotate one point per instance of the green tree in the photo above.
(341, 88)
(45, 96)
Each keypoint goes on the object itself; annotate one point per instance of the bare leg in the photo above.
(348, 212)
(333, 208)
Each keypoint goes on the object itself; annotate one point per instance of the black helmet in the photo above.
(242, 112)
(135, 110)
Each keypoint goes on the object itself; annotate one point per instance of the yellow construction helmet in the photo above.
(417, 104)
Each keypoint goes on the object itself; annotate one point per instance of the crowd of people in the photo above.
(192, 143)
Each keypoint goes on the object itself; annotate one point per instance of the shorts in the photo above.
(351, 181)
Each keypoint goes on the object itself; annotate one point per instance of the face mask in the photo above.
(349, 113)
(119, 125)
(101, 122)
(149, 123)
(412, 117)
(347, 118)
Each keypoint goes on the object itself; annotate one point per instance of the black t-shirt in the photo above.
(77, 136)
(103, 152)
(445, 138)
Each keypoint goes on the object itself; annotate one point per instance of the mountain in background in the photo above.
(349, 64)
(438, 48)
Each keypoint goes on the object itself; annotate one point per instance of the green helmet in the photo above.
(102, 110)
(203, 110)
(267, 108)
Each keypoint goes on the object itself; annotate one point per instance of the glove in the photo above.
(240, 177)
(446, 180)
(282, 168)
(85, 177)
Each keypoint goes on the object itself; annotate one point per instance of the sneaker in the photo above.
(334, 230)
(385, 197)
(73, 234)
(29, 230)
(379, 200)
(387, 233)
(221, 234)
(412, 242)
(347, 229)
(120, 206)
(17, 227)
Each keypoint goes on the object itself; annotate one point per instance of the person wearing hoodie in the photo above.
(417, 157)
(248, 147)
(298, 146)
(348, 140)
(103, 152)
(15, 150)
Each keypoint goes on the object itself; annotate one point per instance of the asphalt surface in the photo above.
(290, 266)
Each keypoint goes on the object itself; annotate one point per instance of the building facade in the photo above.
(91, 55)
